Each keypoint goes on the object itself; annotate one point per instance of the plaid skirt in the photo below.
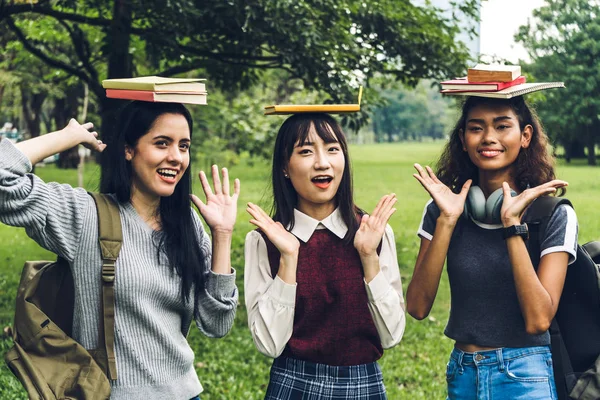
(293, 379)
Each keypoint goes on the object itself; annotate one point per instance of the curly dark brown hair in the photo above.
(535, 165)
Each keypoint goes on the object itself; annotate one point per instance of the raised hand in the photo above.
(286, 243)
(514, 207)
(372, 227)
(83, 134)
(220, 209)
(38, 148)
(451, 205)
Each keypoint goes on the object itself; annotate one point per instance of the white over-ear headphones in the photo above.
(480, 209)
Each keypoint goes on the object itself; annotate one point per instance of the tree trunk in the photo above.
(65, 109)
(109, 109)
(376, 132)
(591, 147)
(31, 104)
(119, 61)
(1, 95)
(574, 148)
(80, 149)
(119, 65)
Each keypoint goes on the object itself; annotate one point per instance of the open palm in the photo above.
(286, 243)
(88, 137)
(514, 207)
(372, 227)
(220, 209)
(451, 204)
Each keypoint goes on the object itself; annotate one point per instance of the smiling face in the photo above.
(160, 158)
(493, 139)
(315, 169)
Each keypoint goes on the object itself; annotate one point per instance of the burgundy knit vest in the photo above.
(332, 321)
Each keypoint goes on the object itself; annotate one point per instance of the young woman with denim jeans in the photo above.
(501, 305)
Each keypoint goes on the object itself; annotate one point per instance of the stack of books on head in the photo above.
(157, 89)
(496, 81)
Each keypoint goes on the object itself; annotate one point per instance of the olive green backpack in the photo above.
(45, 358)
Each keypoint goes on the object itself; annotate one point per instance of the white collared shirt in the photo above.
(271, 302)
(304, 225)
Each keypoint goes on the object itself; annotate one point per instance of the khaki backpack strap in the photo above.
(110, 238)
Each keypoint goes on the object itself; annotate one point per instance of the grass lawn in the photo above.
(231, 368)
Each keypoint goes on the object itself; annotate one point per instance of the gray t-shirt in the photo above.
(484, 306)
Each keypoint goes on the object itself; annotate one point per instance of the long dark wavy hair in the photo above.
(294, 132)
(534, 164)
(178, 237)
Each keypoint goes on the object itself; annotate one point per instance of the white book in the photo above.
(513, 91)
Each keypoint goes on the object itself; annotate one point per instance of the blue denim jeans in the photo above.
(195, 398)
(507, 373)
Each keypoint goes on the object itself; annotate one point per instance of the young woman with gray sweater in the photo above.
(169, 274)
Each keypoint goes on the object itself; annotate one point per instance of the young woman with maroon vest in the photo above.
(322, 282)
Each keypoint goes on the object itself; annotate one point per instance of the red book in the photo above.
(166, 97)
(463, 85)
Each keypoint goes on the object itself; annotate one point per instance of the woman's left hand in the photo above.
(513, 207)
(372, 227)
(220, 209)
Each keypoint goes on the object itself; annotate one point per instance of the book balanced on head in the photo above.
(157, 89)
(494, 81)
(285, 109)
(493, 73)
(468, 86)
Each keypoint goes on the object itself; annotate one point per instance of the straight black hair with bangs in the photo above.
(178, 238)
(294, 132)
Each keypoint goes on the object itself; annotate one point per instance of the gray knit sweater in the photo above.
(154, 360)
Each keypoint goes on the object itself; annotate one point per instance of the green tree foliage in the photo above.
(328, 45)
(412, 114)
(233, 122)
(44, 95)
(563, 40)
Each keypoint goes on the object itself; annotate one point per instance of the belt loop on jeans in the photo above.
(500, 359)
(460, 360)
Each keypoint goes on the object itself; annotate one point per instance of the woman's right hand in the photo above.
(83, 134)
(38, 148)
(286, 243)
(451, 205)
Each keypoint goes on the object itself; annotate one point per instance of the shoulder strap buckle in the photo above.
(110, 238)
(108, 270)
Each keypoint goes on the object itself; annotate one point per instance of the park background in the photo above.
(260, 52)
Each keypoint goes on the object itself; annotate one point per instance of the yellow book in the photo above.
(156, 84)
(285, 109)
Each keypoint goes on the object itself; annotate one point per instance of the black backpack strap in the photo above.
(593, 249)
(564, 378)
(537, 217)
(110, 237)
